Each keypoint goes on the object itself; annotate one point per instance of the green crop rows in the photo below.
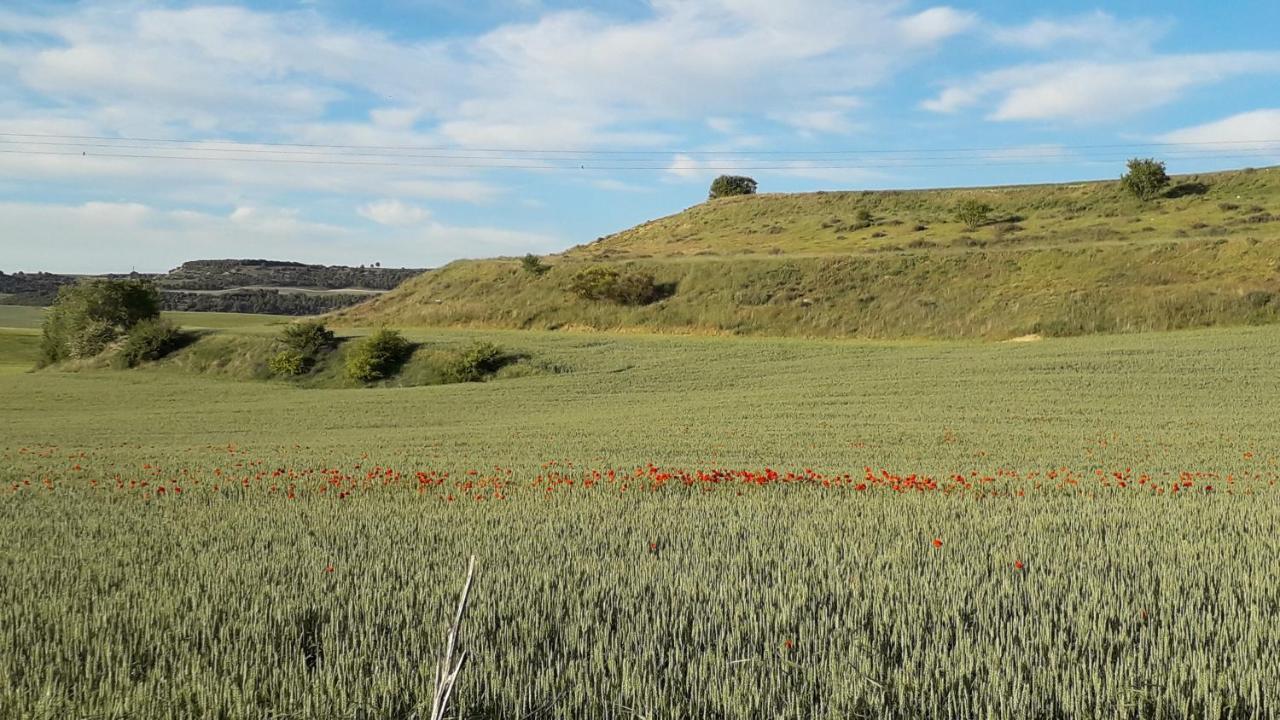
(178, 545)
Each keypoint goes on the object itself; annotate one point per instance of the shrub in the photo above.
(477, 362)
(973, 213)
(533, 265)
(378, 356)
(601, 282)
(1259, 299)
(289, 362)
(864, 217)
(1145, 179)
(304, 343)
(92, 339)
(310, 337)
(89, 315)
(148, 341)
(730, 185)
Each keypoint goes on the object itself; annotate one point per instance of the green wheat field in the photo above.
(666, 527)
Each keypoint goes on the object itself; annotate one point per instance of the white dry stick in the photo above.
(447, 670)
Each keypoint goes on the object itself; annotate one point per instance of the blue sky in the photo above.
(141, 134)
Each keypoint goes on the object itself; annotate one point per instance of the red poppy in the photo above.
(937, 542)
(1018, 564)
(328, 568)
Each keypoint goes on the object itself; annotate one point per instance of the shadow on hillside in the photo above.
(1187, 189)
(662, 291)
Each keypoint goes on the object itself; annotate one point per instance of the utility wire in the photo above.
(590, 152)
(503, 164)
(1028, 154)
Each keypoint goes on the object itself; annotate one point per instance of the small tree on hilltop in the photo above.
(1146, 178)
(973, 213)
(730, 185)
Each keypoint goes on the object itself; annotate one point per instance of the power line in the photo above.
(1048, 153)
(589, 152)
(801, 165)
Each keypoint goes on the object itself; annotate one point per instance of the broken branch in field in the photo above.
(446, 669)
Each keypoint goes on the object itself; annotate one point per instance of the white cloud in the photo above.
(689, 60)
(1097, 30)
(1096, 91)
(614, 185)
(117, 237)
(207, 172)
(937, 24)
(1238, 130)
(568, 77)
(722, 125)
(829, 122)
(823, 116)
(1250, 136)
(393, 212)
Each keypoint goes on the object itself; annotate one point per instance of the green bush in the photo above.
(92, 339)
(304, 344)
(533, 265)
(289, 362)
(89, 315)
(601, 282)
(730, 185)
(477, 362)
(1146, 178)
(378, 356)
(148, 341)
(973, 213)
(310, 338)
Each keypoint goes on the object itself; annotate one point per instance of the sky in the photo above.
(137, 135)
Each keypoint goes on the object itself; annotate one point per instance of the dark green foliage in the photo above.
(730, 185)
(973, 213)
(258, 300)
(304, 344)
(378, 356)
(477, 362)
(37, 289)
(1259, 299)
(240, 276)
(533, 265)
(624, 287)
(228, 274)
(1146, 178)
(309, 337)
(92, 339)
(90, 314)
(289, 363)
(148, 341)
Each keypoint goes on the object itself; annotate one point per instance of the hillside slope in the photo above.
(1056, 259)
(1210, 205)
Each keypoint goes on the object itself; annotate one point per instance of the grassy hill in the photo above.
(840, 223)
(1053, 259)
